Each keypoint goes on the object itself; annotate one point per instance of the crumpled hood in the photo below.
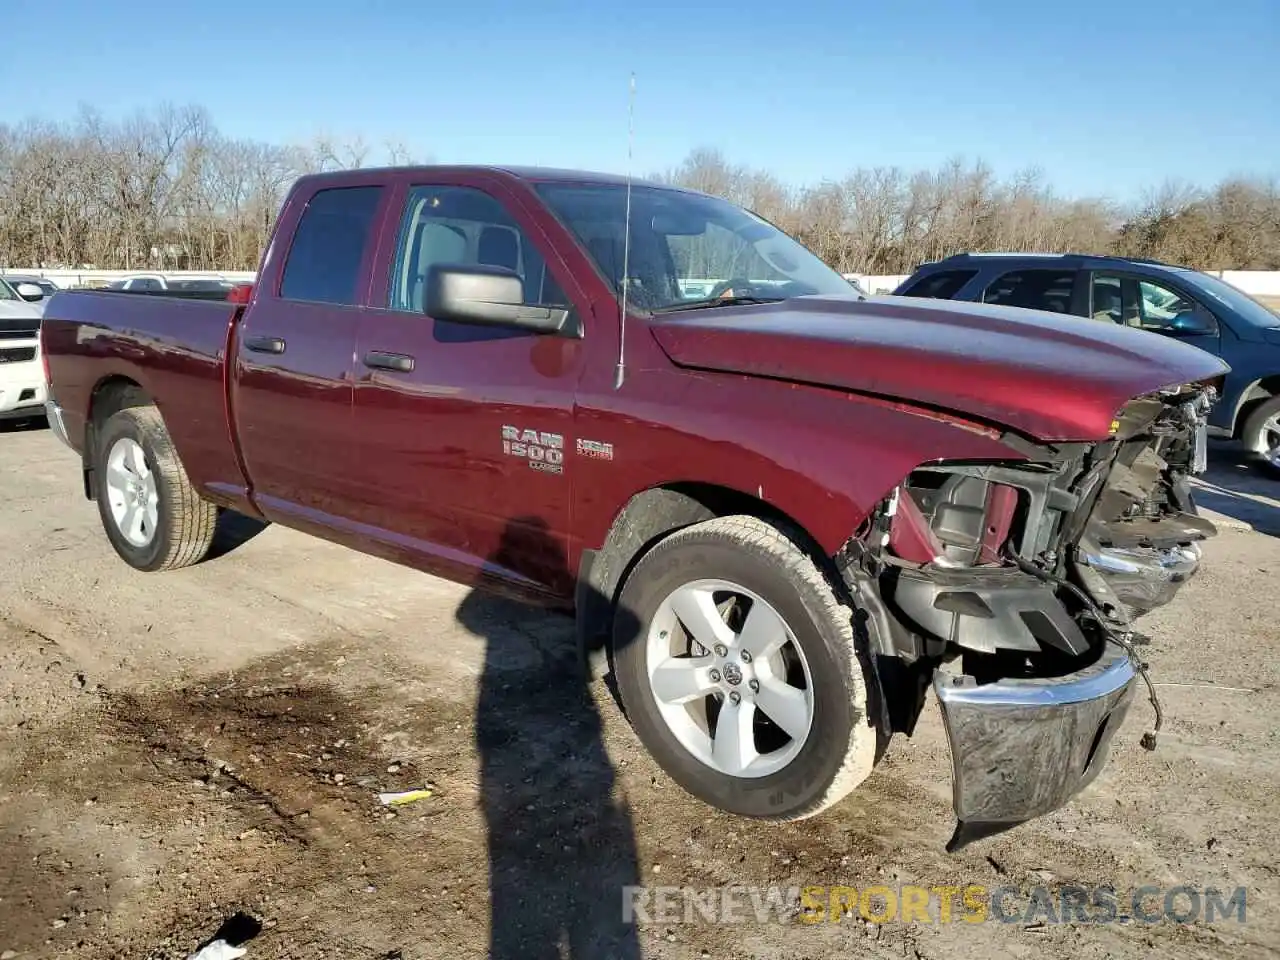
(1048, 375)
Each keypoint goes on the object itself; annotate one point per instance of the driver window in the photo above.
(1160, 308)
(464, 226)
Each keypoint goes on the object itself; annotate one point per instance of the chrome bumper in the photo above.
(1143, 578)
(53, 413)
(1021, 748)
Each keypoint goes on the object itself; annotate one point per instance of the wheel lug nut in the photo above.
(754, 685)
(721, 650)
(735, 698)
(746, 656)
(715, 676)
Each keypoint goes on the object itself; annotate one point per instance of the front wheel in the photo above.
(740, 671)
(1261, 435)
(152, 514)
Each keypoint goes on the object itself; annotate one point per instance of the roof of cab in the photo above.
(529, 174)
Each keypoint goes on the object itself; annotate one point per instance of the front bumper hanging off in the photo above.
(1023, 747)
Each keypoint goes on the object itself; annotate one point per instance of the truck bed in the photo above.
(173, 347)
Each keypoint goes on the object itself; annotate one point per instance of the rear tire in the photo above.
(803, 736)
(1261, 436)
(151, 513)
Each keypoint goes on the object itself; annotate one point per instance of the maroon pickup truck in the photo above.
(781, 511)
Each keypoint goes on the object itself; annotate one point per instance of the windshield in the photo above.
(7, 292)
(688, 249)
(1233, 298)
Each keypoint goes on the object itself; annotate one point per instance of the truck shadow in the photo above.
(561, 845)
(24, 424)
(233, 530)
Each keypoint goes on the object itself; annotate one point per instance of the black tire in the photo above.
(185, 524)
(841, 746)
(1254, 436)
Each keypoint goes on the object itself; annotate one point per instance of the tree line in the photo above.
(886, 220)
(162, 190)
(167, 190)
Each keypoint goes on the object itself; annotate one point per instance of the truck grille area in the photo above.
(17, 354)
(1042, 558)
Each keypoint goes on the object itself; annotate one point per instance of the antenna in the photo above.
(619, 372)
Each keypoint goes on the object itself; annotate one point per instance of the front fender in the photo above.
(824, 458)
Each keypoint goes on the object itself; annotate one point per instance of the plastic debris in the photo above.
(218, 950)
(400, 799)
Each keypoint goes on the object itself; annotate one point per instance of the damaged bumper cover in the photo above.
(1023, 747)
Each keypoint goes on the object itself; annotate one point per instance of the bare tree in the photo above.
(166, 189)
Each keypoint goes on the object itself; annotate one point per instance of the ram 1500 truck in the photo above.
(782, 510)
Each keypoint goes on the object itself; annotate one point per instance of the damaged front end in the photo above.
(1012, 588)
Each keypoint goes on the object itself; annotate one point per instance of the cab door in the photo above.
(293, 368)
(464, 428)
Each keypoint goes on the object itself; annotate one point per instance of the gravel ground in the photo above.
(184, 750)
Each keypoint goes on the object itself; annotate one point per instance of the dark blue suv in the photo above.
(1194, 307)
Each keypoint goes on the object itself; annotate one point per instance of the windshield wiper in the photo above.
(718, 302)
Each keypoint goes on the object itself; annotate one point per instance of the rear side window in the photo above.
(940, 286)
(1034, 289)
(328, 246)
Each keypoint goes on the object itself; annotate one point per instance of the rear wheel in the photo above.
(151, 513)
(740, 672)
(1261, 435)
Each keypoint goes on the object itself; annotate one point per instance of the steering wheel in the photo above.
(740, 288)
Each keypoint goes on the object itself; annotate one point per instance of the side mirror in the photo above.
(29, 292)
(486, 296)
(1193, 323)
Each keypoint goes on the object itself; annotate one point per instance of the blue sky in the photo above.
(1106, 97)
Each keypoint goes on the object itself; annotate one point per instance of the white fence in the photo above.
(89, 278)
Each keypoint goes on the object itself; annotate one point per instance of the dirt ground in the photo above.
(181, 750)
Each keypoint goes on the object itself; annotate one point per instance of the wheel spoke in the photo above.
(131, 525)
(118, 476)
(681, 679)
(785, 705)
(733, 748)
(138, 459)
(697, 611)
(763, 633)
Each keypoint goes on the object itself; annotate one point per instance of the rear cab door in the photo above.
(460, 463)
(293, 363)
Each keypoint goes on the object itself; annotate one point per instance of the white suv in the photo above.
(22, 388)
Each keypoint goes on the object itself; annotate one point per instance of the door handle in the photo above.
(400, 362)
(264, 344)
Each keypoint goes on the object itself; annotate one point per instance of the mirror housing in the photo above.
(1194, 323)
(486, 296)
(29, 292)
